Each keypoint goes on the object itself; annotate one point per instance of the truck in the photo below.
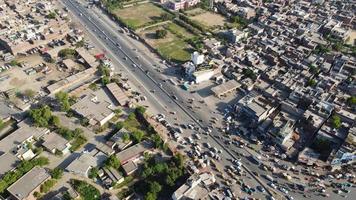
(172, 81)
(268, 177)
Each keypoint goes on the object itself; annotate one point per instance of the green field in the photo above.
(139, 16)
(177, 51)
(174, 46)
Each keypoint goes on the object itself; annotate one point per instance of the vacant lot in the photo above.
(210, 19)
(195, 11)
(352, 38)
(139, 15)
(173, 46)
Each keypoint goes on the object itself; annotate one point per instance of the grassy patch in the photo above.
(179, 31)
(127, 181)
(174, 45)
(86, 190)
(176, 51)
(139, 15)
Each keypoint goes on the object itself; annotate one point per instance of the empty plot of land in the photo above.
(352, 39)
(210, 19)
(195, 11)
(173, 46)
(178, 30)
(139, 15)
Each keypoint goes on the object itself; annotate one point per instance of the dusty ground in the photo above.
(139, 15)
(210, 19)
(20, 81)
(352, 37)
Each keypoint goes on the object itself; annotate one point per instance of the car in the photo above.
(261, 189)
(134, 65)
(175, 97)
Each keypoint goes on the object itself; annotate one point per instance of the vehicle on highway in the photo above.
(172, 81)
(134, 65)
(175, 97)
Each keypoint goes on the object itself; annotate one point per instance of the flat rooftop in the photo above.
(23, 187)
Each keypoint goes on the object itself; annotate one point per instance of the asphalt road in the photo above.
(122, 52)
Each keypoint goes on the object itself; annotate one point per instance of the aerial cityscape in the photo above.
(177, 99)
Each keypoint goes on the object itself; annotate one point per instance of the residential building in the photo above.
(117, 141)
(96, 111)
(54, 143)
(134, 152)
(28, 184)
(195, 187)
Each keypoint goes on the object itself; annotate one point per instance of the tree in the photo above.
(105, 80)
(113, 162)
(161, 33)
(93, 86)
(157, 141)
(57, 173)
(51, 15)
(351, 100)
(321, 49)
(178, 159)
(137, 136)
(29, 93)
(249, 73)
(119, 125)
(313, 69)
(150, 196)
(125, 137)
(166, 16)
(117, 111)
(1, 124)
(103, 70)
(41, 116)
(86, 190)
(140, 109)
(336, 121)
(154, 187)
(311, 82)
(93, 173)
(14, 63)
(63, 100)
(55, 121)
(66, 53)
(131, 116)
(40, 161)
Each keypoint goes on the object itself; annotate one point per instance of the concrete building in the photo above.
(197, 58)
(224, 88)
(25, 30)
(134, 152)
(255, 107)
(82, 164)
(118, 94)
(96, 111)
(24, 188)
(195, 187)
(16, 145)
(55, 143)
(181, 4)
(117, 141)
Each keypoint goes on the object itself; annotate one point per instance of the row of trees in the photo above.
(42, 117)
(160, 178)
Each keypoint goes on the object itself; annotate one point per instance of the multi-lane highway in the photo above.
(136, 64)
